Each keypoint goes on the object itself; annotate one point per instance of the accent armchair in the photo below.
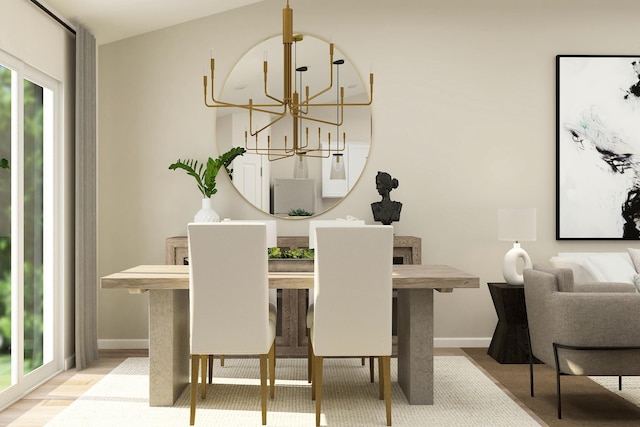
(581, 330)
(229, 300)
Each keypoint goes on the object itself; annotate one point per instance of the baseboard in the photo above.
(69, 362)
(461, 342)
(123, 344)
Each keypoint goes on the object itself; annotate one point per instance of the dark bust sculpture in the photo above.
(386, 211)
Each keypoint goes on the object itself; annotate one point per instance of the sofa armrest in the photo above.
(611, 287)
(595, 319)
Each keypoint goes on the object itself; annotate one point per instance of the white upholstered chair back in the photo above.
(353, 291)
(317, 223)
(229, 289)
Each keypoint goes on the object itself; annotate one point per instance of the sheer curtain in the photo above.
(86, 276)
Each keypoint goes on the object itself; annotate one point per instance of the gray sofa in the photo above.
(577, 328)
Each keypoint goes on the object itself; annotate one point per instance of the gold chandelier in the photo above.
(291, 103)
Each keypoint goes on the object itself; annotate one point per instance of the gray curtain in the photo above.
(86, 276)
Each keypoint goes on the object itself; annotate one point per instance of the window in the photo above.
(28, 218)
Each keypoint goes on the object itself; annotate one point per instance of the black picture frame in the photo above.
(598, 147)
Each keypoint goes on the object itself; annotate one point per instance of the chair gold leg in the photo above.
(211, 369)
(313, 377)
(194, 388)
(386, 377)
(309, 356)
(203, 362)
(380, 378)
(263, 387)
(272, 369)
(222, 360)
(371, 368)
(317, 381)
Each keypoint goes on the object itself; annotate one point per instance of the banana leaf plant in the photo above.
(205, 173)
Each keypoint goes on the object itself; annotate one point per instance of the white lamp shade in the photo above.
(517, 224)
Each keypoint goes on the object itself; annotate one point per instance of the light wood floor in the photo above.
(40, 406)
(44, 403)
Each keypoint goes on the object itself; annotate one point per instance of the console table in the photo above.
(291, 330)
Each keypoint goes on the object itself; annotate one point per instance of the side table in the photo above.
(510, 342)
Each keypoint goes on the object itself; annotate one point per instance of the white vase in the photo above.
(206, 213)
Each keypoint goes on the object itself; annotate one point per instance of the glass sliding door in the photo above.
(6, 76)
(28, 218)
(35, 121)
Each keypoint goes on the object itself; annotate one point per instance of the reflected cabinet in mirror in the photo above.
(338, 139)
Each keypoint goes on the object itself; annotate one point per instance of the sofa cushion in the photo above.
(564, 276)
(580, 274)
(610, 267)
(635, 258)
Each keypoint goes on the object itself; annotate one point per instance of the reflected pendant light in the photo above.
(337, 167)
(337, 161)
(300, 168)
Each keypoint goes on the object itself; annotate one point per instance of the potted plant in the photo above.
(205, 175)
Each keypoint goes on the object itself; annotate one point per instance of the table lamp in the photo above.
(516, 225)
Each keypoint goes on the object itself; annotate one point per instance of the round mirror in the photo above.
(302, 185)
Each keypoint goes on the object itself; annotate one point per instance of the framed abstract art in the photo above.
(598, 147)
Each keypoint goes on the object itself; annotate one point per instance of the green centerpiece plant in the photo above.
(289, 260)
(300, 253)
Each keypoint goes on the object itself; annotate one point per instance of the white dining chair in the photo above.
(313, 224)
(229, 300)
(352, 298)
(272, 241)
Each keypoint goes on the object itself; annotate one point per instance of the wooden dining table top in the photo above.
(143, 278)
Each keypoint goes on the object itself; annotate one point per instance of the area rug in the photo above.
(630, 387)
(585, 402)
(464, 396)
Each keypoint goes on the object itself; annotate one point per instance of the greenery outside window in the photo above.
(27, 217)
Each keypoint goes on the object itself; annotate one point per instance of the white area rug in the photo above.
(464, 396)
(630, 387)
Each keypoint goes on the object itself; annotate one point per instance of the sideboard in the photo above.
(291, 331)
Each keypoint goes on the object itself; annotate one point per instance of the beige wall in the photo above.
(463, 117)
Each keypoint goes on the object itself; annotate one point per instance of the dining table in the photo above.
(168, 289)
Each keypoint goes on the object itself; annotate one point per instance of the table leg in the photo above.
(415, 345)
(168, 345)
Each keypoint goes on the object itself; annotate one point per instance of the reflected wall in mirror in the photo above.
(295, 184)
